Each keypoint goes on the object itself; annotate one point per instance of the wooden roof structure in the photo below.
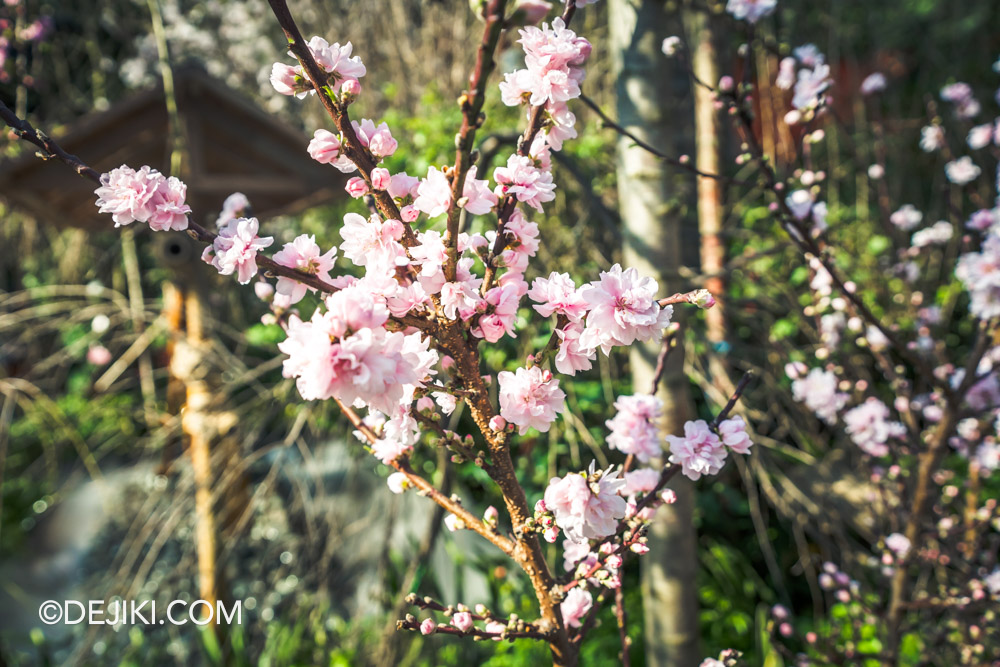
(233, 146)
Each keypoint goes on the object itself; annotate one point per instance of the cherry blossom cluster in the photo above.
(143, 196)
(552, 76)
(807, 72)
(342, 70)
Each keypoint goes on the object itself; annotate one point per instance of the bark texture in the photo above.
(651, 103)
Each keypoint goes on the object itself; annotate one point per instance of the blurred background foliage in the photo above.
(759, 522)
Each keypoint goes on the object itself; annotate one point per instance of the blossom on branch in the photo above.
(623, 309)
(699, 452)
(635, 429)
(587, 506)
(530, 398)
(143, 196)
(234, 250)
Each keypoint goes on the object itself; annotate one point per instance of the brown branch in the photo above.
(353, 147)
(472, 105)
(509, 203)
(622, 630)
(472, 522)
(24, 130)
(649, 148)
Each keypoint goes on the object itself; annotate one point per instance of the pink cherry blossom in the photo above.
(325, 148)
(235, 205)
(907, 217)
(381, 178)
(288, 80)
(870, 428)
(356, 187)
(336, 59)
(235, 249)
(143, 196)
(433, 193)
(403, 186)
(530, 398)
(642, 480)
(623, 309)
(575, 552)
(699, 452)
(305, 255)
(818, 390)
(873, 83)
(734, 435)
(962, 171)
(462, 620)
(378, 139)
(980, 274)
(553, 57)
(427, 626)
(525, 181)
(477, 198)
(572, 356)
(558, 294)
(372, 242)
(634, 428)
(502, 303)
(98, 355)
(575, 606)
(810, 86)
(586, 506)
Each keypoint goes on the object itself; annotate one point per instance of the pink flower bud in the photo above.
(283, 78)
(427, 626)
(498, 423)
(462, 620)
(726, 84)
(639, 548)
(615, 561)
(703, 299)
(356, 187)
(350, 88)
(380, 178)
(324, 147)
(551, 534)
(491, 515)
(785, 629)
(263, 290)
(668, 496)
(540, 505)
(425, 403)
(811, 637)
(607, 548)
(408, 213)
(381, 143)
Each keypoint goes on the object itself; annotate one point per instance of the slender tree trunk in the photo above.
(651, 104)
(704, 62)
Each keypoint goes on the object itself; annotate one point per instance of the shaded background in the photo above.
(98, 493)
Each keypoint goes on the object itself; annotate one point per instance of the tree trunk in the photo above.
(651, 103)
(704, 63)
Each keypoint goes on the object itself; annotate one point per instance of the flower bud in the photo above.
(380, 178)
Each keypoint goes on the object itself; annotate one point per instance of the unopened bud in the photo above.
(702, 298)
